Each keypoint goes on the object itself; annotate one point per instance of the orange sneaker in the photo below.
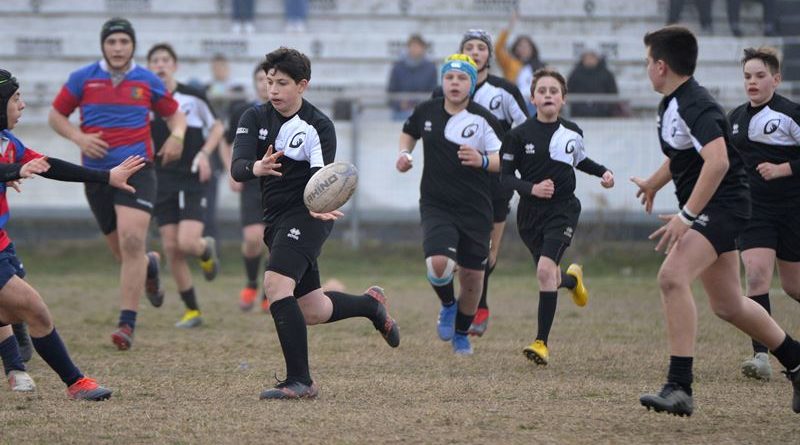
(123, 337)
(87, 389)
(265, 305)
(247, 298)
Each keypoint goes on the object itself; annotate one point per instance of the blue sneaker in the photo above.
(461, 345)
(446, 324)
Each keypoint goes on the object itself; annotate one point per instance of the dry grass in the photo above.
(202, 386)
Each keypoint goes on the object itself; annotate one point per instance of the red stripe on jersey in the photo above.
(65, 103)
(116, 137)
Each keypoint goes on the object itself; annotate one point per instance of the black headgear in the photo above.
(8, 86)
(478, 34)
(117, 24)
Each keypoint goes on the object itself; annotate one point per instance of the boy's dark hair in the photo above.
(289, 61)
(162, 47)
(546, 72)
(766, 54)
(676, 46)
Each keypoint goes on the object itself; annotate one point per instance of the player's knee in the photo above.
(187, 245)
(758, 280)
(37, 316)
(670, 280)
(131, 244)
(546, 274)
(440, 270)
(251, 247)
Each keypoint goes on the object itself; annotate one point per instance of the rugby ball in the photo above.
(331, 187)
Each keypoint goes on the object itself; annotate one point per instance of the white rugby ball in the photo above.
(331, 187)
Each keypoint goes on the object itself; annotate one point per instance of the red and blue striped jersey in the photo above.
(12, 150)
(121, 113)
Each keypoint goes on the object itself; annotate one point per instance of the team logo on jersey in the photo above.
(242, 130)
(137, 92)
(508, 156)
(496, 102)
(530, 148)
(735, 129)
(568, 232)
(294, 233)
(297, 140)
(469, 131)
(772, 126)
(570, 148)
(262, 134)
(428, 126)
(674, 124)
(702, 220)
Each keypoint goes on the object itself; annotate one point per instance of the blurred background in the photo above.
(371, 62)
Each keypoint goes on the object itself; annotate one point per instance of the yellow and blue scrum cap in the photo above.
(465, 64)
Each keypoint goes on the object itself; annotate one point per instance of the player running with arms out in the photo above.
(461, 146)
(115, 97)
(19, 302)
(546, 150)
(504, 101)
(766, 132)
(283, 143)
(181, 203)
(700, 241)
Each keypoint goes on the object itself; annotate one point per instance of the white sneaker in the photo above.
(21, 381)
(757, 367)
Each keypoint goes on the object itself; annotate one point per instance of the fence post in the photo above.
(355, 136)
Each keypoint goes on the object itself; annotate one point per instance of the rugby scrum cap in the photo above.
(8, 86)
(478, 34)
(465, 64)
(117, 24)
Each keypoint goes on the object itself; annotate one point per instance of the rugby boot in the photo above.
(383, 322)
(152, 285)
(537, 352)
(757, 367)
(87, 389)
(123, 337)
(247, 299)
(672, 399)
(580, 295)
(290, 390)
(191, 319)
(20, 381)
(446, 324)
(480, 323)
(210, 266)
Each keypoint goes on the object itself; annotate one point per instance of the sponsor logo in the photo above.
(94, 85)
(496, 102)
(530, 148)
(137, 92)
(570, 148)
(321, 187)
(508, 156)
(428, 126)
(297, 140)
(294, 233)
(735, 129)
(469, 131)
(262, 134)
(452, 249)
(147, 204)
(242, 130)
(772, 126)
(702, 220)
(568, 232)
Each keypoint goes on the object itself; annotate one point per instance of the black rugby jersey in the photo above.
(200, 118)
(308, 141)
(688, 119)
(545, 150)
(501, 97)
(769, 133)
(445, 182)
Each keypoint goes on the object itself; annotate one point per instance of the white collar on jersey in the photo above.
(104, 66)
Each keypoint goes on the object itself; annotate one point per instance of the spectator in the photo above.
(770, 17)
(522, 52)
(296, 14)
(592, 76)
(703, 9)
(412, 73)
(244, 11)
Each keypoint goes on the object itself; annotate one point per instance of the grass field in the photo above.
(202, 386)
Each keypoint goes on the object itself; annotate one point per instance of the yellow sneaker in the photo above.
(537, 352)
(210, 267)
(191, 319)
(580, 295)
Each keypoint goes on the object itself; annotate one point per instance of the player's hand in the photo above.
(34, 167)
(201, 166)
(268, 165)
(646, 193)
(236, 186)
(118, 176)
(16, 185)
(404, 162)
(330, 216)
(171, 150)
(773, 171)
(670, 233)
(92, 145)
(470, 157)
(544, 189)
(607, 181)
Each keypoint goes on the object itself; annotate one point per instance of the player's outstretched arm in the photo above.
(650, 186)
(92, 145)
(117, 177)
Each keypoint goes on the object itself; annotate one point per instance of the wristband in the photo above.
(177, 136)
(407, 154)
(485, 163)
(685, 218)
(689, 214)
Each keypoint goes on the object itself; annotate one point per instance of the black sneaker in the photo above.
(24, 341)
(672, 399)
(794, 377)
(384, 323)
(152, 285)
(290, 390)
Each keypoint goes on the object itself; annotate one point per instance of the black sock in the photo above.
(190, 299)
(445, 293)
(292, 333)
(463, 321)
(547, 312)
(568, 281)
(349, 306)
(763, 300)
(788, 353)
(251, 269)
(489, 269)
(680, 372)
(127, 317)
(152, 266)
(52, 350)
(9, 352)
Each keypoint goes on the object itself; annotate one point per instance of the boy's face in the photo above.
(548, 97)
(478, 50)
(759, 82)
(14, 109)
(284, 93)
(118, 50)
(260, 85)
(656, 71)
(162, 63)
(456, 86)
